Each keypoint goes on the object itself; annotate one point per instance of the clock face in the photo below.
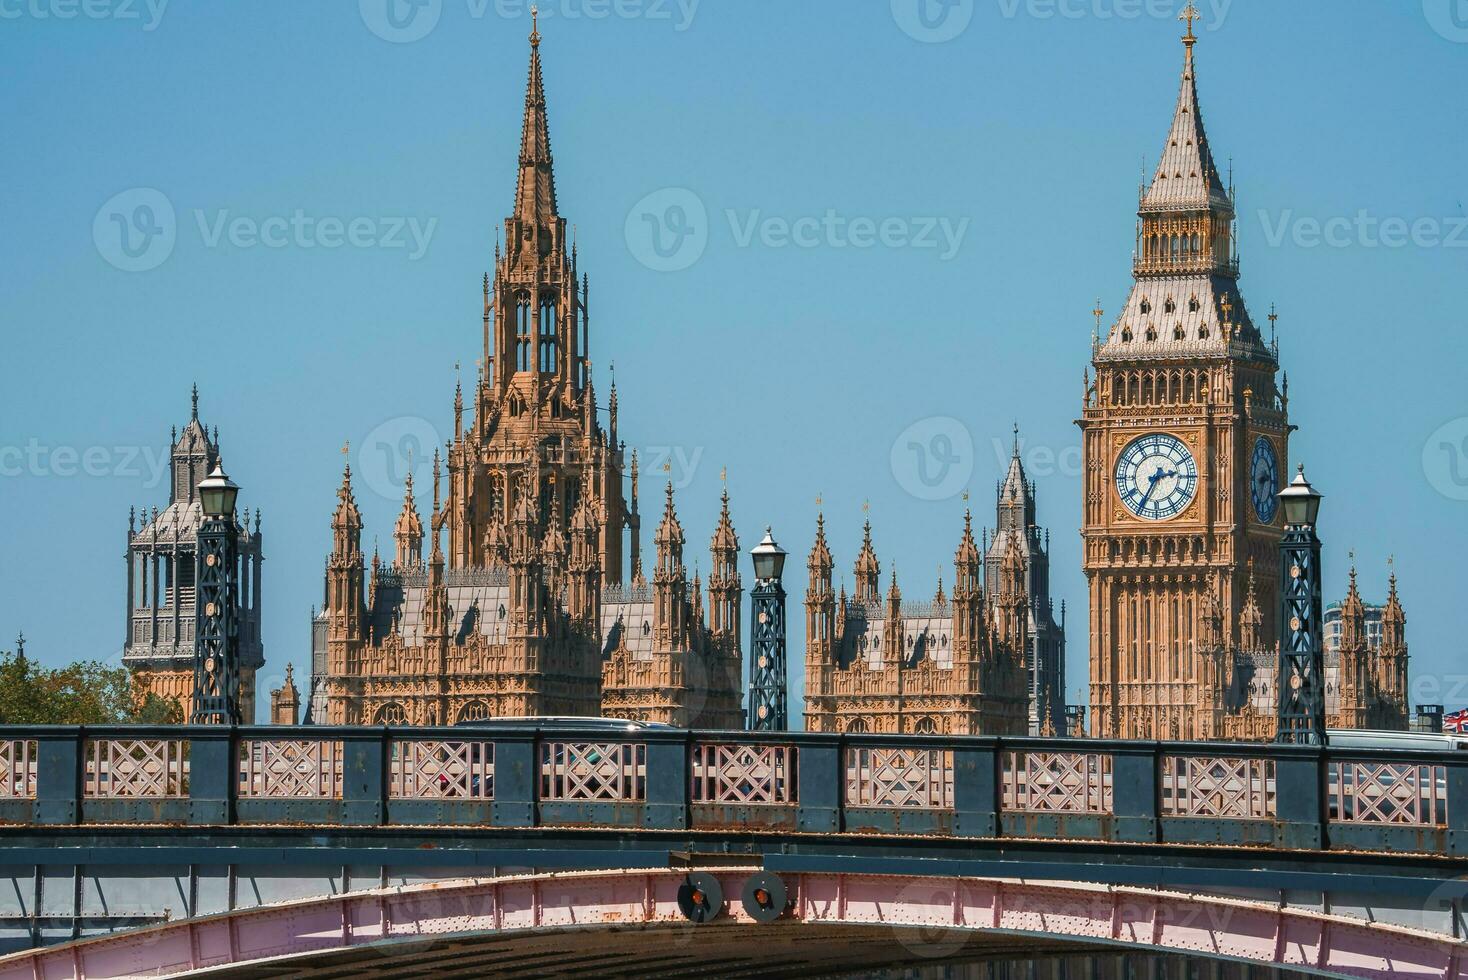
(1264, 480)
(1156, 477)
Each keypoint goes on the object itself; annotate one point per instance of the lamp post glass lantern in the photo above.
(767, 711)
(216, 632)
(1300, 501)
(769, 558)
(1301, 683)
(218, 493)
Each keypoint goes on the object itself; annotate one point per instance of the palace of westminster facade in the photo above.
(513, 597)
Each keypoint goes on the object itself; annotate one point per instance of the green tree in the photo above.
(83, 693)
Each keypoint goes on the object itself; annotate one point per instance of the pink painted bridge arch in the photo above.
(638, 923)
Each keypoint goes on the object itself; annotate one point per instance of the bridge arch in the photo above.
(834, 921)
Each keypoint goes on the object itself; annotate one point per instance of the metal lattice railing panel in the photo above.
(1057, 782)
(442, 771)
(1205, 786)
(18, 769)
(136, 769)
(589, 772)
(906, 778)
(735, 774)
(290, 769)
(1392, 793)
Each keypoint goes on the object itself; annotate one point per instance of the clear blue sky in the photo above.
(796, 366)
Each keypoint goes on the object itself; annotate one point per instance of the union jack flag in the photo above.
(1456, 722)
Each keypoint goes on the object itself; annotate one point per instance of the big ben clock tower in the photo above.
(1186, 435)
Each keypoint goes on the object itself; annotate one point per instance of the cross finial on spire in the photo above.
(535, 27)
(1098, 313)
(195, 412)
(1016, 440)
(1190, 14)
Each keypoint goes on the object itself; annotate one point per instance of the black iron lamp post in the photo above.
(1301, 653)
(767, 707)
(216, 626)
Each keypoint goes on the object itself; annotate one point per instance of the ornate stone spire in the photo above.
(1186, 177)
(1353, 615)
(724, 584)
(347, 520)
(1251, 619)
(535, 191)
(868, 570)
(408, 533)
(670, 583)
(1186, 300)
(819, 562)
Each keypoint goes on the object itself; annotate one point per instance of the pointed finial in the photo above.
(1190, 14)
(1016, 440)
(1098, 313)
(195, 413)
(535, 27)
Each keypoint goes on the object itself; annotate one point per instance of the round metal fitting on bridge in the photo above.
(701, 897)
(765, 897)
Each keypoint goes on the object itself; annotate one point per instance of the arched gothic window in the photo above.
(548, 348)
(391, 713)
(523, 332)
(475, 710)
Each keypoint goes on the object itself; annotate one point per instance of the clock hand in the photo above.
(1154, 478)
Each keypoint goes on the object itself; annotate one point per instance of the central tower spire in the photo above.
(535, 190)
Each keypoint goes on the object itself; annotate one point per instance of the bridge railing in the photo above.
(1239, 794)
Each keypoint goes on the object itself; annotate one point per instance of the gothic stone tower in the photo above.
(1186, 436)
(161, 556)
(1016, 526)
(535, 414)
(524, 611)
(950, 666)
